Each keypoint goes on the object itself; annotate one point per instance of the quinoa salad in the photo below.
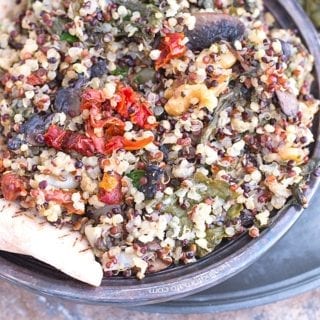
(157, 129)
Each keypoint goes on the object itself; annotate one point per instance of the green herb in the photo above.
(148, 10)
(221, 189)
(216, 188)
(176, 210)
(135, 176)
(145, 75)
(235, 210)
(66, 36)
(151, 18)
(201, 252)
(120, 71)
(225, 102)
(311, 167)
(214, 235)
(298, 196)
(58, 26)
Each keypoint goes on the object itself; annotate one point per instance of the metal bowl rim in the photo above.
(202, 275)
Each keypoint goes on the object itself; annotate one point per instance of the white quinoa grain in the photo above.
(276, 46)
(237, 44)
(128, 126)
(18, 118)
(109, 90)
(151, 120)
(122, 11)
(7, 163)
(24, 147)
(154, 54)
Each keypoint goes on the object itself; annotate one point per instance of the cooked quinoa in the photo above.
(156, 140)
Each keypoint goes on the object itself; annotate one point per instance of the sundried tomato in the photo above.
(110, 188)
(11, 186)
(170, 47)
(61, 139)
(118, 142)
(64, 198)
(134, 108)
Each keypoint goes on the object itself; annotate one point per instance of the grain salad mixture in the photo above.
(155, 128)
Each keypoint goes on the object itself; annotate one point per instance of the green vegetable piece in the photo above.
(298, 196)
(221, 189)
(218, 188)
(66, 36)
(146, 10)
(120, 71)
(235, 210)
(214, 236)
(201, 252)
(135, 176)
(201, 178)
(176, 210)
(225, 102)
(145, 75)
(58, 25)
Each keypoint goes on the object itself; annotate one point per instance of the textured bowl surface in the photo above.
(180, 281)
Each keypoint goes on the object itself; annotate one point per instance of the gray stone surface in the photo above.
(17, 303)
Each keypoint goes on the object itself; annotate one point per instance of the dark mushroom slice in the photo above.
(14, 143)
(99, 69)
(35, 127)
(287, 49)
(288, 103)
(145, 75)
(68, 101)
(212, 27)
(79, 83)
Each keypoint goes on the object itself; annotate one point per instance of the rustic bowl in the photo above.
(229, 259)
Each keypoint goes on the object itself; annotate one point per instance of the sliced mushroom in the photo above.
(288, 103)
(35, 127)
(287, 49)
(68, 101)
(212, 27)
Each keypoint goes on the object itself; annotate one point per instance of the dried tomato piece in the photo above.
(133, 107)
(91, 97)
(68, 140)
(54, 137)
(170, 48)
(98, 142)
(118, 142)
(114, 144)
(37, 78)
(141, 115)
(110, 188)
(79, 143)
(131, 145)
(11, 186)
(64, 198)
(114, 127)
(128, 100)
(58, 196)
